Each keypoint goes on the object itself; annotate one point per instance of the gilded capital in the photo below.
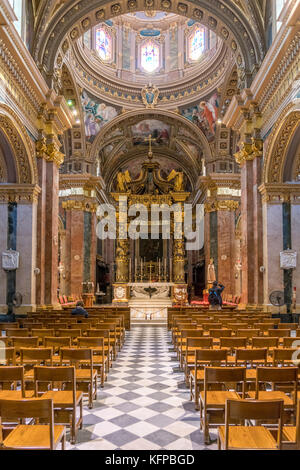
(215, 206)
(84, 206)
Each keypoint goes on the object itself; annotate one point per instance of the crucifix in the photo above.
(150, 139)
(150, 268)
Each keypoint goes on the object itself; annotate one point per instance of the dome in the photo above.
(143, 47)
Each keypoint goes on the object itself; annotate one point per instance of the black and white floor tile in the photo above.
(145, 403)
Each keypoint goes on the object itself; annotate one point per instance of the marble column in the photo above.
(272, 246)
(80, 245)
(40, 237)
(251, 223)
(295, 226)
(226, 250)
(3, 247)
(26, 245)
(51, 233)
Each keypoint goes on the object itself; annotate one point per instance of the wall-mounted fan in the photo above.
(277, 299)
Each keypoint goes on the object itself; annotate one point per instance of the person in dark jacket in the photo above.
(215, 295)
(79, 310)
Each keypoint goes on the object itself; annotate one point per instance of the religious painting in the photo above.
(96, 114)
(150, 249)
(204, 115)
(159, 131)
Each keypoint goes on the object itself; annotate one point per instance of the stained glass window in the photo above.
(197, 44)
(150, 56)
(103, 44)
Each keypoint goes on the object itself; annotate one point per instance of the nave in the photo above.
(145, 404)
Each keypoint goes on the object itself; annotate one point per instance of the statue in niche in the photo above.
(122, 181)
(150, 95)
(211, 273)
(177, 176)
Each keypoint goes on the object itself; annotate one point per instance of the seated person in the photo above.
(79, 310)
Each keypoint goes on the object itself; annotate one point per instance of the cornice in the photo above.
(19, 193)
(279, 193)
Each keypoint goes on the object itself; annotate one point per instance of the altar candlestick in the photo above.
(129, 269)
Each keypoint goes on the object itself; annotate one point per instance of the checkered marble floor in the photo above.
(145, 403)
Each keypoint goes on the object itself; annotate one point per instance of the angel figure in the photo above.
(150, 95)
(177, 176)
(122, 180)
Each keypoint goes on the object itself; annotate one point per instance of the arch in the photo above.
(132, 117)
(21, 146)
(226, 20)
(279, 144)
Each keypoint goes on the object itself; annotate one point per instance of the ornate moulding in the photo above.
(181, 92)
(19, 193)
(279, 193)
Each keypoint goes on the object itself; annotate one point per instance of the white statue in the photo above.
(10, 260)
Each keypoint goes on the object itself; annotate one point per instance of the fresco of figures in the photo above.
(158, 130)
(96, 115)
(204, 114)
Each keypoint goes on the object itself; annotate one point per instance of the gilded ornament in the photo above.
(116, 9)
(100, 14)
(198, 14)
(182, 8)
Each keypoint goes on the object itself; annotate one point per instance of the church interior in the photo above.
(124, 327)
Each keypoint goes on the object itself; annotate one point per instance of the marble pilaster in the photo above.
(3, 247)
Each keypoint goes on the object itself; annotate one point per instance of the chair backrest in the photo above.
(220, 333)
(291, 342)
(91, 342)
(279, 333)
(11, 375)
(191, 333)
(193, 343)
(7, 356)
(237, 326)
(36, 355)
(284, 356)
(41, 333)
(251, 356)
(224, 375)
(57, 342)
(212, 326)
(247, 333)
(277, 375)
(233, 343)
(68, 332)
(245, 410)
(55, 376)
(17, 332)
(288, 326)
(98, 333)
(25, 408)
(265, 342)
(26, 342)
(75, 356)
(210, 356)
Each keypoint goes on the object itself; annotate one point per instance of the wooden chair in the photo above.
(17, 332)
(71, 333)
(291, 434)
(242, 437)
(10, 378)
(19, 342)
(30, 357)
(233, 343)
(203, 358)
(291, 343)
(265, 342)
(192, 344)
(100, 357)
(288, 326)
(113, 334)
(187, 333)
(65, 402)
(108, 349)
(212, 402)
(86, 375)
(279, 333)
(41, 333)
(284, 357)
(286, 377)
(31, 436)
(7, 356)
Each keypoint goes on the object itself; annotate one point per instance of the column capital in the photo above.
(279, 193)
(221, 205)
(49, 151)
(84, 205)
(19, 193)
(249, 151)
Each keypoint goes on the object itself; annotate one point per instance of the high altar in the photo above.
(150, 273)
